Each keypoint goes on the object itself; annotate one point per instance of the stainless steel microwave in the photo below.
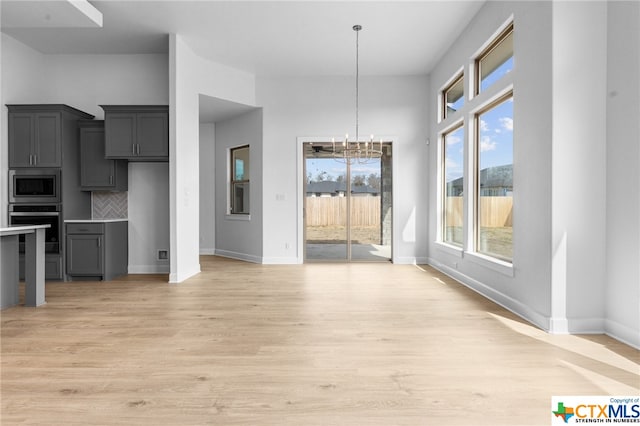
(34, 186)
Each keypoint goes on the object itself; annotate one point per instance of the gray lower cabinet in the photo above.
(97, 250)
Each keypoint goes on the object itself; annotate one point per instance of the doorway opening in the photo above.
(347, 207)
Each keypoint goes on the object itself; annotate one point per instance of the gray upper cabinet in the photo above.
(37, 133)
(34, 140)
(137, 132)
(96, 172)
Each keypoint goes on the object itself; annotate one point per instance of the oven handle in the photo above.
(34, 214)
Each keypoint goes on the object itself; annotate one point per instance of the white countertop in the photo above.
(95, 220)
(22, 229)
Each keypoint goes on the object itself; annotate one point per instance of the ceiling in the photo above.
(273, 38)
(261, 37)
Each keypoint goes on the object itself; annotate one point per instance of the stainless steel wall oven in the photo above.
(39, 214)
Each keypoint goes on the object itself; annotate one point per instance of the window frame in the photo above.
(494, 42)
(457, 78)
(233, 181)
(476, 102)
(458, 125)
(475, 226)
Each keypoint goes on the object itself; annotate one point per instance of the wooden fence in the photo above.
(365, 211)
(495, 212)
(330, 211)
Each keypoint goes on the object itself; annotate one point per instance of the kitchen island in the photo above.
(34, 265)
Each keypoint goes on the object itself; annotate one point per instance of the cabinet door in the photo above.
(84, 254)
(95, 170)
(48, 145)
(153, 134)
(21, 139)
(120, 135)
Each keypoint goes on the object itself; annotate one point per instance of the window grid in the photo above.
(477, 237)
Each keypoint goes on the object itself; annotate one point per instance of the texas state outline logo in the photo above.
(621, 410)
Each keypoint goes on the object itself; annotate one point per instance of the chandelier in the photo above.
(356, 150)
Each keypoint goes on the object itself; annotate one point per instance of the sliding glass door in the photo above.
(347, 209)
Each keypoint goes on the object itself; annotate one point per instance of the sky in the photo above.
(496, 134)
(335, 169)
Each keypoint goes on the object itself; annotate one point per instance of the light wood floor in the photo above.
(246, 344)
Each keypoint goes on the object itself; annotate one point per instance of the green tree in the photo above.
(358, 180)
(373, 180)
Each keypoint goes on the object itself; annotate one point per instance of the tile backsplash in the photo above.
(109, 205)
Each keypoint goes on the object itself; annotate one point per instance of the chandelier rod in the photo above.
(357, 29)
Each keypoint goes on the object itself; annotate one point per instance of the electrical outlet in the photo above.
(163, 255)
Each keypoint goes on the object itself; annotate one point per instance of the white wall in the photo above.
(207, 188)
(579, 166)
(526, 288)
(190, 76)
(623, 172)
(21, 83)
(325, 107)
(576, 158)
(239, 236)
(148, 217)
(85, 82)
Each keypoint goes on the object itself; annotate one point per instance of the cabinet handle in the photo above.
(111, 180)
(35, 159)
(133, 148)
(99, 238)
(30, 159)
(138, 149)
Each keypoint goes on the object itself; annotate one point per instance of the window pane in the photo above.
(496, 62)
(240, 197)
(241, 163)
(453, 183)
(495, 181)
(453, 97)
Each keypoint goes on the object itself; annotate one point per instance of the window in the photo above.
(240, 168)
(494, 179)
(495, 61)
(452, 190)
(476, 157)
(453, 96)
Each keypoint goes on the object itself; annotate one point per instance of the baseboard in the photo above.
(281, 261)
(409, 260)
(622, 333)
(558, 326)
(176, 279)
(507, 302)
(586, 325)
(207, 251)
(148, 269)
(238, 256)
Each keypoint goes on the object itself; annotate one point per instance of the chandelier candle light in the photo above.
(356, 151)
